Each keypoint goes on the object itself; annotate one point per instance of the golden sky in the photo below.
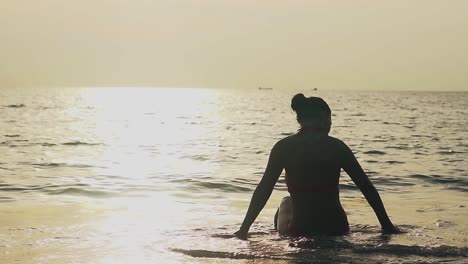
(348, 44)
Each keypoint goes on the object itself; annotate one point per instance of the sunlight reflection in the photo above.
(146, 136)
(145, 115)
(144, 129)
(134, 225)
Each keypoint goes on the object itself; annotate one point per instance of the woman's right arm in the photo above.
(263, 191)
(352, 167)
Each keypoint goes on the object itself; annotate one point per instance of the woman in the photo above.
(313, 161)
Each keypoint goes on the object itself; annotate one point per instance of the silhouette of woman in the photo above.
(312, 160)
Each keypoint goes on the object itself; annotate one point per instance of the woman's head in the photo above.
(312, 111)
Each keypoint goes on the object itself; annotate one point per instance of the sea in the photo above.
(165, 175)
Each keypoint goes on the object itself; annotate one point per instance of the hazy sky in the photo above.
(348, 44)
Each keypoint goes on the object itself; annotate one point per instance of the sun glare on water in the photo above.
(146, 136)
(143, 128)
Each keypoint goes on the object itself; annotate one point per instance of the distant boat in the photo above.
(265, 88)
(315, 89)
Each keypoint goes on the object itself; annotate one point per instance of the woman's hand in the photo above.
(241, 234)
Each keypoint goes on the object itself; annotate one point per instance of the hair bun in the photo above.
(298, 101)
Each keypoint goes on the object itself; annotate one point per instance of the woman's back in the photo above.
(313, 163)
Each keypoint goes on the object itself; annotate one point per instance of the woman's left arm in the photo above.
(263, 191)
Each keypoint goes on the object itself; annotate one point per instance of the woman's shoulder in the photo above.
(288, 140)
(341, 146)
(337, 142)
(285, 142)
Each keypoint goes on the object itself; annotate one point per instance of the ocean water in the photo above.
(152, 175)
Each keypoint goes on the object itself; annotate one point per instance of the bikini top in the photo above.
(296, 188)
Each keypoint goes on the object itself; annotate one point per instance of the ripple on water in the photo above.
(374, 152)
(15, 105)
(78, 189)
(12, 136)
(79, 143)
(224, 187)
(6, 199)
(447, 152)
(57, 164)
(394, 162)
(365, 244)
(441, 179)
(83, 192)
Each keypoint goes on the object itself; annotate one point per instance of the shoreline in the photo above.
(97, 231)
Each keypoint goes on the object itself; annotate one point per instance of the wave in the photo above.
(16, 105)
(12, 188)
(394, 162)
(448, 152)
(400, 147)
(6, 199)
(54, 164)
(440, 179)
(225, 187)
(391, 123)
(436, 251)
(208, 184)
(458, 188)
(364, 245)
(374, 152)
(82, 192)
(45, 144)
(387, 183)
(196, 157)
(45, 187)
(77, 189)
(11, 136)
(394, 249)
(311, 250)
(200, 253)
(78, 143)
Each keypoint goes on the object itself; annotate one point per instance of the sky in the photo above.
(358, 44)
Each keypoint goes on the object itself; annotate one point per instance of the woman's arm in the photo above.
(352, 167)
(263, 191)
